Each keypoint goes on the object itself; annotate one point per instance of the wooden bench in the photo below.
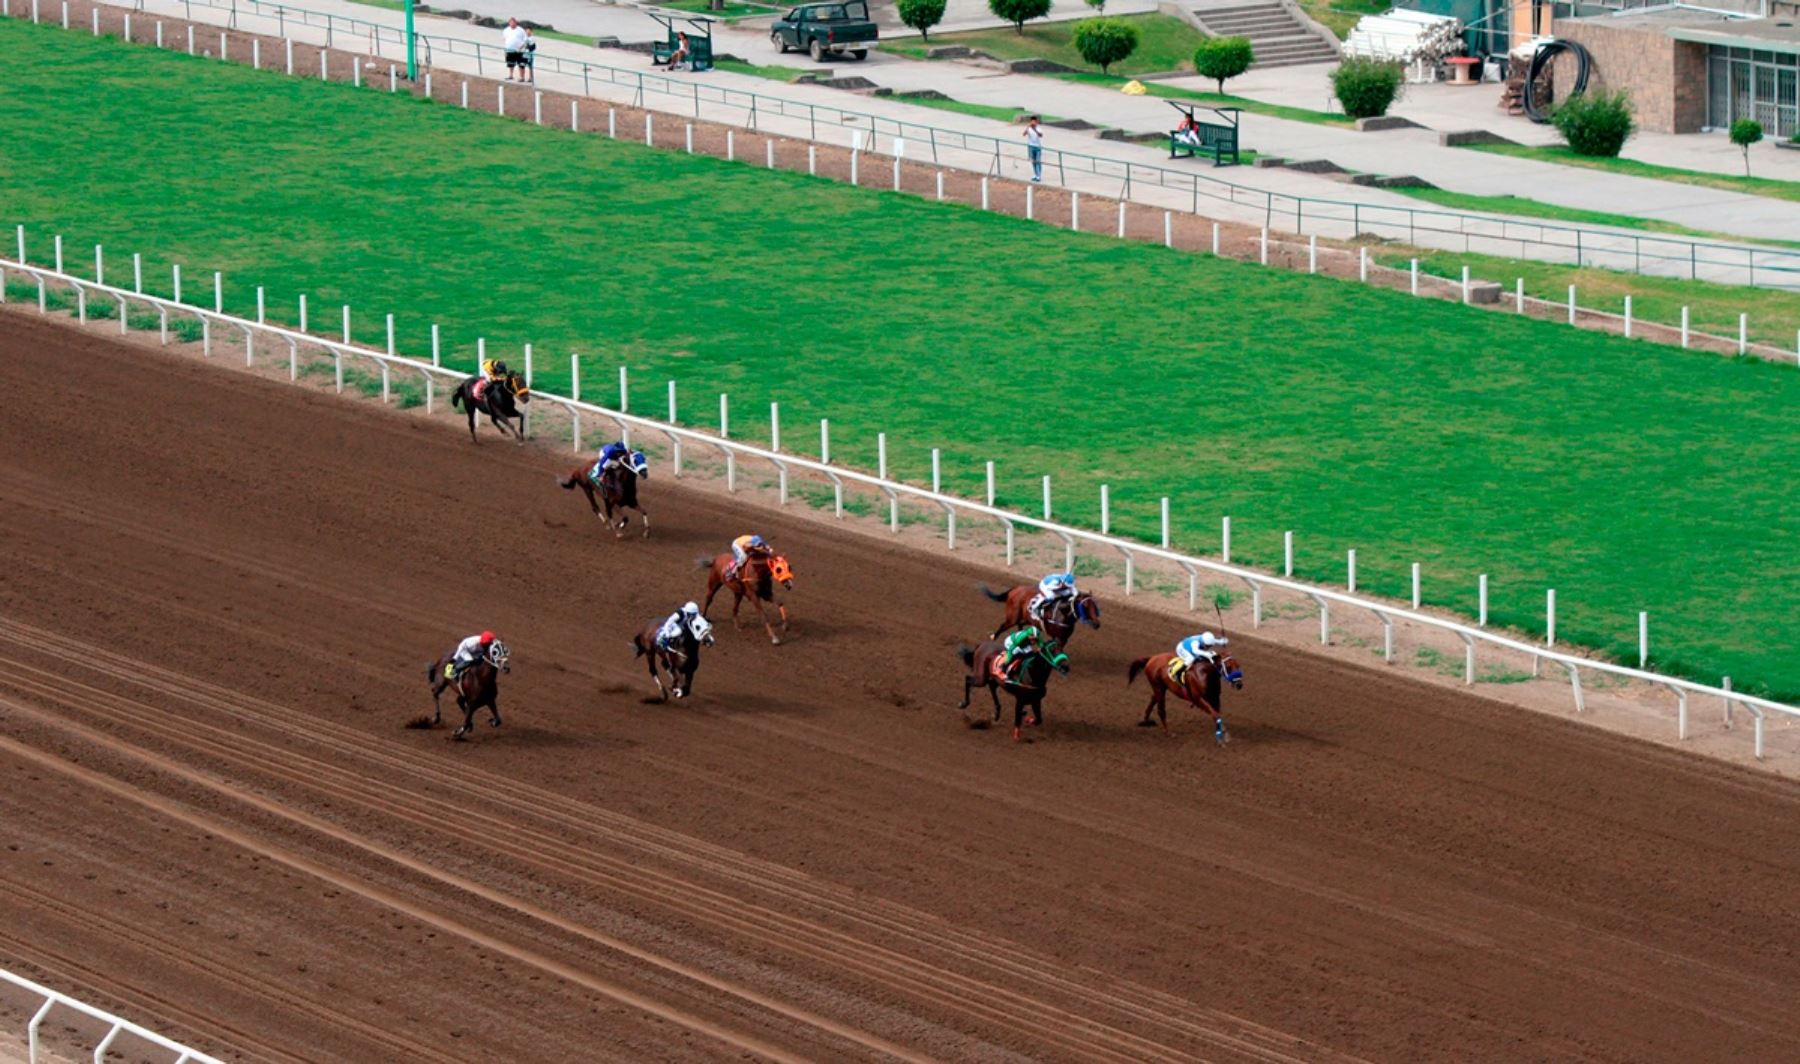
(1210, 138)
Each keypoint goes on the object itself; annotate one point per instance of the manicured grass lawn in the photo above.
(1530, 208)
(1625, 475)
(1164, 44)
(733, 8)
(1754, 186)
(762, 70)
(1339, 15)
(1213, 99)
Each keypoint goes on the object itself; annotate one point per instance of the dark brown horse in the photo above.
(757, 582)
(679, 657)
(499, 400)
(616, 489)
(1027, 684)
(1201, 686)
(1061, 616)
(478, 686)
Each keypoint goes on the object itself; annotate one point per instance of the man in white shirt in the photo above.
(512, 40)
(1034, 147)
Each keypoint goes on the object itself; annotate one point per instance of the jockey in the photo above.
(1051, 588)
(744, 548)
(469, 651)
(1194, 648)
(493, 369)
(1021, 644)
(611, 456)
(673, 629)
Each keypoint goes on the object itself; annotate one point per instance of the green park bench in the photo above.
(1217, 139)
(699, 38)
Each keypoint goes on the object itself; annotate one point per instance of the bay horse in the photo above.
(477, 687)
(756, 582)
(1027, 691)
(1201, 685)
(680, 661)
(616, 488)
(499, 400)
(1063, 614)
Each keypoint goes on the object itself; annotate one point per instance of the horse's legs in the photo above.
(645, 514)
(763, 612)
(994, 693)
(737, 599)
(662, 694)
(494, 711)
(712, 588)
(472, 437)
(468, 723)
(968, 685)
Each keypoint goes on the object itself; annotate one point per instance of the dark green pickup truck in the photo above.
(819, 29)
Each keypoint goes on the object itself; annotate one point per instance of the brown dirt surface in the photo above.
(221, 595)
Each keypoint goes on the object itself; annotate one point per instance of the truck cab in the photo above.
(826, 29)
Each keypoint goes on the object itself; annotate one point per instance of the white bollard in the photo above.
(218, 292)
(356, 72)
(1350, 571)
(537, 106)
(137, 273)
(1225, 538)
(775, 427)
(1416, 587)
(724, 416)
(256, 53)
(99, 264)
(1312, 254)
(1287, 554)
(896, 172)
(346, 323)
(1482, 594)
(1465, 285)
(1362, 264)
(222, 55)
(1121, 219)
(390, 336)
(812, 160)
(1571, 304)
(1029, 189)
(937, 474)
(176, 272)
(59, 256)
(303, 312)
(984, 194)
(1627, 317)
(1105, 510)
(731, 145)
(261, 307)
(1550, 617)
(649, 130)
(825, 441)
(324, 76)
(689, 127)
(465, 95)
(288, 46)
(854, 156)
(1165, 522)
(1075, 211)
(1684, 326)
(1414, 269)
(990, 483)
(1168, 229)
(624, 391)
(437, 355)
(500, 100)
(1643, 639)
(672, 419)
(1046, 497)
(612, 124)
(1215, 239)
(940, 186)
(1743, 333)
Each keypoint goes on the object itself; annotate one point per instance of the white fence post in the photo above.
(1312, 253)
(1415, 277)
(672, 418)
(390, 337)
(1643, 639)
(255, 52)
(1684, 326)
(288, 47)
(812, 162)
(612, 122)
(1046, 496)
(1350, 570)
(218, 292)
(984, 194)
(1571, 304)
(303, 312)
(1519, 294)
(1165, 522)
(649, 130)
(1743, 333)
(1105, 510)
(1121, 219)
(1362, 264)
(465, 94)
(940, 186)
(537, 102)
(176, 272)
(261, 307)
(990, 483)
(59, 255)
(775, 427)
(137, 273)
(346, 323)
(1263, 245)
(1215, 237)
(937, 471)
(1465, 284)
(437, 352)
(1482, 593)
(574, 108)
(731, 145)
(1168, 229)
(1416, 585)
(624, 391)
(690, 138)
(1225, 538)
(825, 441)
(99, 264)
(724, 416)
(1075, 211)
(1030, 211)
(1627, 317)
(1550, 617)
(1287, 554)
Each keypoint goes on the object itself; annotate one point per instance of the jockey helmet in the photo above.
(690, 609)
(486, 638)
(758, 541)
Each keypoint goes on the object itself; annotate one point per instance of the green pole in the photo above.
(412, 46)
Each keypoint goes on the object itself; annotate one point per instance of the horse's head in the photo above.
(515, 383)
(781, 571)
(1054, 657)
(1228, 668)
(701, 629)
(638, 464)
(1087, 610)
(498, 655)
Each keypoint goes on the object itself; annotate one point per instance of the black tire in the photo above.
(781, 47)
(860, 54)
(817, 50)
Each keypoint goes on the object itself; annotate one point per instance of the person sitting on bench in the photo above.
(1189, 131)
(680, 55)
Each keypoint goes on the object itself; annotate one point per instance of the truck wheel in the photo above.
(781, 47)
(818, 51)
(860, 53)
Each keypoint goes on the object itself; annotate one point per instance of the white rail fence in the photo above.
(118, 1025)
(786, 465)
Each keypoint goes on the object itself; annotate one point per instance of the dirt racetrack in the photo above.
(219, 597)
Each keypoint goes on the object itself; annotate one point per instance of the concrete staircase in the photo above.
(1277, 35)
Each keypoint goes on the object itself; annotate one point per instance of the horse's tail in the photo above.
(1131, 673)
(993, 596)
(431, 672)
(637, 646)
(570, 483)
(703, 562)
(456, 398)
(966, 653)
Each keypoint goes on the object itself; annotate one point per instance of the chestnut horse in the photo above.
(477, 686)
(616, 488)
(756, 582)
(1063, 614)
(1033, 678)
(681, 660)
(1200, 686)
(499, 400)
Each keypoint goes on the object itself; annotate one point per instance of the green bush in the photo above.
(1018, 12)
(1366, 87)
(1745, 132)
(921, 15)
(1097, 5)
(1223, 57)
(1595, 123)
(1105, 41)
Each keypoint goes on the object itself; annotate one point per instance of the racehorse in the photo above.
(756, 582)
(680, 661)
(499, 400)
(1027, 690)
(478, 686)
(1201, 686)
(1063, 614)
(616, 488)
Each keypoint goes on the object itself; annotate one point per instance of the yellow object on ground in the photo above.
(1133, 88)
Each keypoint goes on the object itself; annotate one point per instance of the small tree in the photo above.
(1595, 123)
(1105, 41)
(1366, 87)
(921, 15)
(1220, 58)
(1019, 12)
(1745, 132)
(1097, 5)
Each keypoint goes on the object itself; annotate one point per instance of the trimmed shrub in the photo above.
(1097, 5)
(1366, 87)
(1105, 41)
(921, 15)
(1019, 12)
(1220, 58)
(1745, 132)
(1595, 123)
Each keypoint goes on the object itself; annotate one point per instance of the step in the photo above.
(1294, 61)
(1215, 12)
(1272, 29)
(1259, 20)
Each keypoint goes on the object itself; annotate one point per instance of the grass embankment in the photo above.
(1339, 16)
(793, 74)
(1164, 44)
(1163, 91)
(1520, 207)
(1627, 476)
(1753, 186)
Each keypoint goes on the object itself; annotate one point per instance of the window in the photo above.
(1745, 83)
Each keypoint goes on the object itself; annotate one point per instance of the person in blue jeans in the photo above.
(1034, 147)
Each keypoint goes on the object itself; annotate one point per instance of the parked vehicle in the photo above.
(821, 29)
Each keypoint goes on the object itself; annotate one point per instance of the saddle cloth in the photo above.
(480, 389)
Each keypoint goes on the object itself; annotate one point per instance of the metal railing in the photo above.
(786, 464)
(1696, 259)
(53, 998)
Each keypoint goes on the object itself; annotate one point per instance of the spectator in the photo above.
(680, 54)
(530, 55)
(512, 39)
(1189, 131)
(1034, 146)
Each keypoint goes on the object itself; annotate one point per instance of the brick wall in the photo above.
(1666, 77)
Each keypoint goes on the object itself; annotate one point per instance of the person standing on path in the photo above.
(1034, 147)
(530, 56)
(512, 41)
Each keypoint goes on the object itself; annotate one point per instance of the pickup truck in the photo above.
(819, 29)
